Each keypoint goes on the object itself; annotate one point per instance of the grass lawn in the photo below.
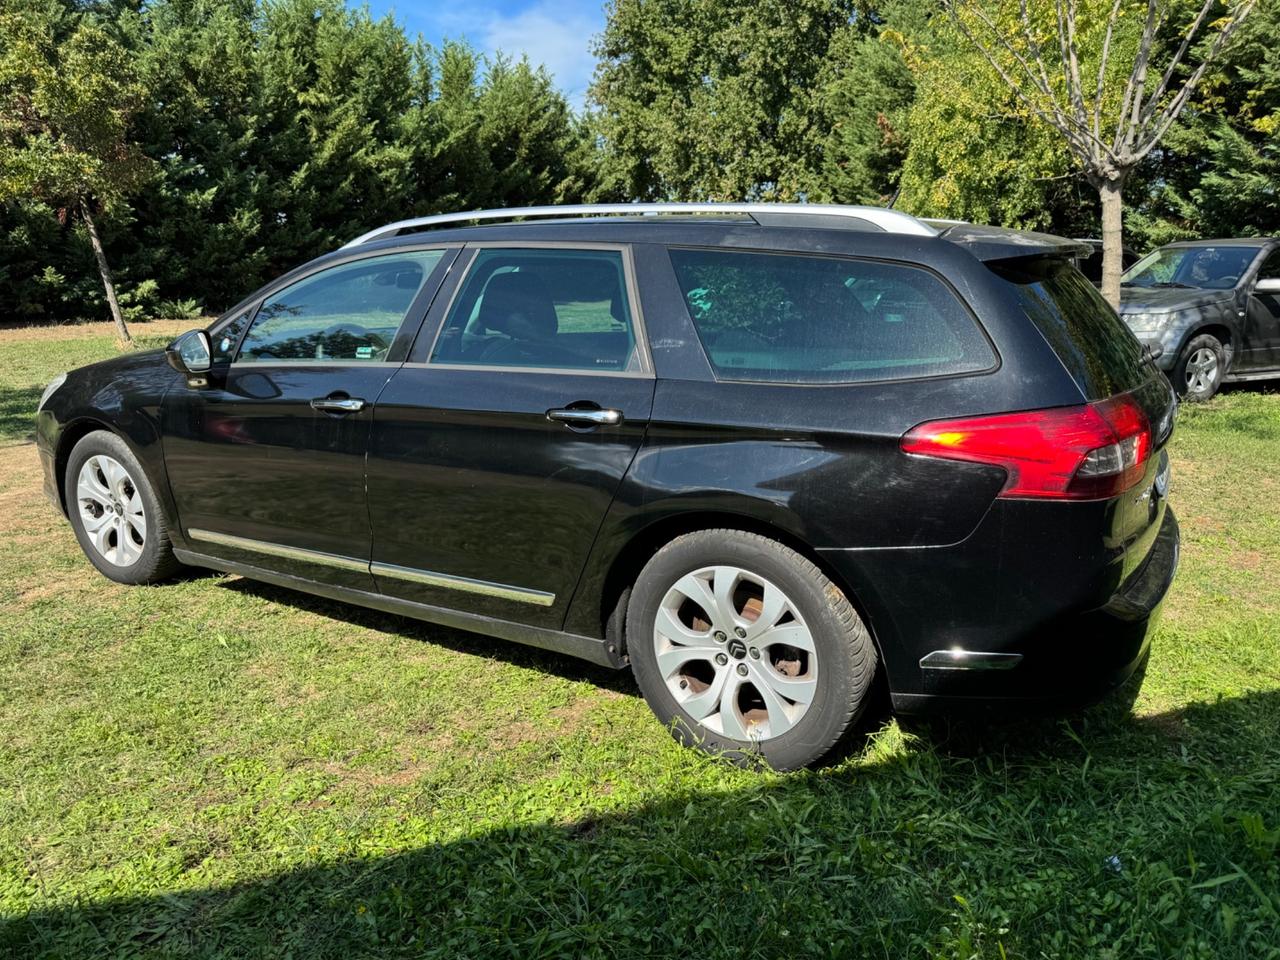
(216, 768)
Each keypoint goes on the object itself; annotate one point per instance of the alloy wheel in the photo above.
(1202, 370)
(111, 510)
(736, 653)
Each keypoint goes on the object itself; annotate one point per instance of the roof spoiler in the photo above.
(1002, 243)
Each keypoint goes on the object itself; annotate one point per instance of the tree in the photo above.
(865, 95)
(65, 115)
(1219, 169)
(972, 155)
(1088, 69)
(714, 99)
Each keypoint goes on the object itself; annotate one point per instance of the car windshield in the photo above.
(1210, 268)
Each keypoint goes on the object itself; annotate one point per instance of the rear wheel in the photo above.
(115, 513)
(1200, 368)
(745, 648)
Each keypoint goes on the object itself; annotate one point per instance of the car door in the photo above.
(1262, 316)
(266, 463)
(496, 451)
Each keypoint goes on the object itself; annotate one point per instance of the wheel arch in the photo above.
(643, 544)
(71, 434)
(1215, 328)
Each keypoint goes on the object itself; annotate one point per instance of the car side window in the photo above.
(788, 318)
(347, 313)
(548, 308)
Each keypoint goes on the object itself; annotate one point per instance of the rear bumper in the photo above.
(1036, 648)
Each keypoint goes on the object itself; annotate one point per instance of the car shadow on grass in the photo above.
(461, 641)
(1106, 836)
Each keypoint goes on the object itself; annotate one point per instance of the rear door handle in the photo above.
(338, 404)
(585, 417)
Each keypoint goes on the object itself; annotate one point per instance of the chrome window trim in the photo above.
(431, 578)
(632, 291)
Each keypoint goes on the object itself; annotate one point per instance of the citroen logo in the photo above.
(737, 649)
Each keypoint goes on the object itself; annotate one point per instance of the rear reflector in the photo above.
(1090, 452)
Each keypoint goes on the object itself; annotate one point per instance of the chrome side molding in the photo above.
(431, 578)
(501, 590)
(278, 550)
(957, 659)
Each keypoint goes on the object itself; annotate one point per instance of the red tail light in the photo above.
(1090, 452)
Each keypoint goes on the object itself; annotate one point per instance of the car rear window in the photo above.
(1099, 351)
(788, 318)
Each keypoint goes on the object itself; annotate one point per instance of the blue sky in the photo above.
(555, 33)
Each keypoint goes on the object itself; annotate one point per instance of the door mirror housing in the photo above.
(191, 354)
(1267, 285)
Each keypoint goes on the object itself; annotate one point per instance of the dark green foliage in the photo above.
(716, 99)
(1219, 172)
(281, 129)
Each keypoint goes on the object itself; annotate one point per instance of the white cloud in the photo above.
(552, 36)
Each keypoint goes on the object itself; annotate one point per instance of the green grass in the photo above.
(216, 768)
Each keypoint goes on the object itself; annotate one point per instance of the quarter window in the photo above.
(562, 309)
(347, 313)
(785, 318)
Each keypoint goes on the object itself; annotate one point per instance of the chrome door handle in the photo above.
(338, 404)
(587, 417)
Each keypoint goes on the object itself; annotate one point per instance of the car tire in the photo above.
(115, 513)
(724, 678)
(1200, 368)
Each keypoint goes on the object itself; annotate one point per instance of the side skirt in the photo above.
(601, 652)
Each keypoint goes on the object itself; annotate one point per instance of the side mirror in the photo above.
(191, 354)
(1267, 285)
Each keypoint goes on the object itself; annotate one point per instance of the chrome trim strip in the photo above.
(278, 550)
(891, 221)
(957, 659)
(466, 584)
(429, 577)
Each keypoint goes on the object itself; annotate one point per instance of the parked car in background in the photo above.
(764, 456)
(1211, 308)
(1091, 263)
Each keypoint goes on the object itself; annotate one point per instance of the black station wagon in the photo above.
(765, 456)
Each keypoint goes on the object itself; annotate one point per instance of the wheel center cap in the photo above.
(737, 649)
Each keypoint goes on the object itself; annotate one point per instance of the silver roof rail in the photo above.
(891, 221)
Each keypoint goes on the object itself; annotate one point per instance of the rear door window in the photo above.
(1099, 351)
(788, 318)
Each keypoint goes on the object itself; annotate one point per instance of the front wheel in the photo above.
(115, 513)
(743, 647)
(1200, 368)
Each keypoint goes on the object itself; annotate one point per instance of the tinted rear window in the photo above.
(784, 318)
(1095, 346)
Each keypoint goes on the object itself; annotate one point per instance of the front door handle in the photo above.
(585, 416)
(338, 404)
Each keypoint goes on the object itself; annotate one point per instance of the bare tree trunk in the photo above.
(122, 331)
(1112, 193)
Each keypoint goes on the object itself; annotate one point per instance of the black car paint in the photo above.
(465, 473)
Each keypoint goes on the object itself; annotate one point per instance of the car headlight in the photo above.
(1141, 323)
(54, 384)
